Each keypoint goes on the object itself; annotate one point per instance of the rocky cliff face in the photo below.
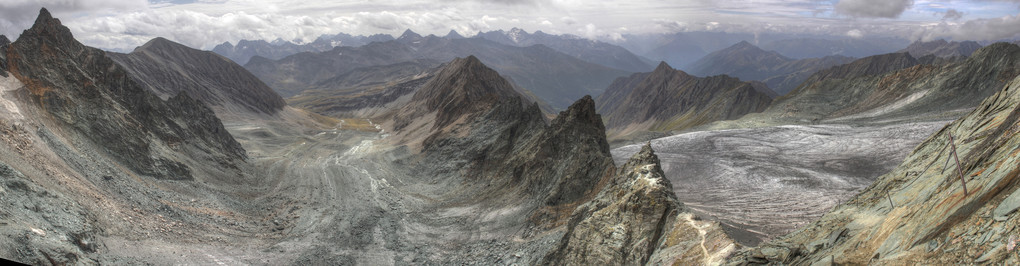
(668, 99)
(86, 91)
(168, 68)
(920, 213)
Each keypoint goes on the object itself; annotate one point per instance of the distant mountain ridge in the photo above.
(668, 99)
(588, 50)
(555, 77)
(897, 85)
(748, 62)
(585, 49)
(941, 48)
(244, 50)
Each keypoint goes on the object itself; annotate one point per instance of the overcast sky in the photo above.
(124, 24)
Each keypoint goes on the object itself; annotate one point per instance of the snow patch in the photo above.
(10, 84)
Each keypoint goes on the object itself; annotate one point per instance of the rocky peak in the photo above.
(464, 88)
(157, 44)
(582, 118)
(454, 35)
(464, 82)
(168, 68)
(409, 35)
(49, 30)
(224, 45)
(663, 67)
(4, 41)
(744, 45)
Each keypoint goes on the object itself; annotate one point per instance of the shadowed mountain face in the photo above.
(167, 69)
(86, 91)
(941, 48)
(554, 77)
(748, 62)
(668, 99)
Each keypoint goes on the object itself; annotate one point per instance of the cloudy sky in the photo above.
(124, 24)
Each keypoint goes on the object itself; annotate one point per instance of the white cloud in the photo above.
(986, 29)
(855, 33)
(16, 15)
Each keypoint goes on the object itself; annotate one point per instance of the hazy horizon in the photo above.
(125, 24)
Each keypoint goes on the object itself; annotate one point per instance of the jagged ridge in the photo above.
(168, 68)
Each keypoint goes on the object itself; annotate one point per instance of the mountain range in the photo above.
(450, 150)
(554, 77)
(246, 49)
(585, 49)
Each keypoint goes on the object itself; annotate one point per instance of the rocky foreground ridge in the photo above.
(503, 153)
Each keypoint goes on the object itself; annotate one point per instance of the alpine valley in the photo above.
(509, 147)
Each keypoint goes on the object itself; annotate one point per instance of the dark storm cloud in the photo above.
(952, 14)
(873, 8)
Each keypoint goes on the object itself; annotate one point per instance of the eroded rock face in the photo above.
(920, 212)
(635, 220)
(89, 93)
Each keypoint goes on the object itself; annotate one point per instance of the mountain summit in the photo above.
(463, 88)
(668, 99)
(168, 68)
